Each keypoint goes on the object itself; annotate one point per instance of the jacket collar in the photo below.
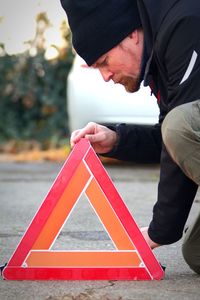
(152, 13)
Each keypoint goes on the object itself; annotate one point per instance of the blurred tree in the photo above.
(33, 90)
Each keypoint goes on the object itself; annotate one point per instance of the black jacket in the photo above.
(171, 32)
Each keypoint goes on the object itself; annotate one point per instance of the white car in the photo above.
(89, 98)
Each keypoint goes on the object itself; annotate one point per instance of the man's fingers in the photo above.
(144, 229)
(102, 138)
(73, 139)
(95, 138)
(87, 132)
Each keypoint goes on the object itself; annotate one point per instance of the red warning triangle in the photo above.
(34, 258)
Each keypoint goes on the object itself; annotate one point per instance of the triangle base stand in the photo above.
(76, 274)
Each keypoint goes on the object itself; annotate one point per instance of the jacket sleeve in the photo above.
(137, 143)
(176, 193)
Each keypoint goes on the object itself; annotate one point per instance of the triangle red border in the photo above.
(15, 270)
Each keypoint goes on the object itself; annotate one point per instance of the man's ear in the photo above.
(134, 35)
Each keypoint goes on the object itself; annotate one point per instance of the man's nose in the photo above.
(106, 74)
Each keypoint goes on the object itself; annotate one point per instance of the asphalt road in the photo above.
(22, 189)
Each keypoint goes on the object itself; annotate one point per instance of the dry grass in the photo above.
(55, 155)
(31, 152)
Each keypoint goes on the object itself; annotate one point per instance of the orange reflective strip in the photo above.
(108, 217)
(83, 259)
(63, 208)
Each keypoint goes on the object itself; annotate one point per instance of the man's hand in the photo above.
(151, 244)
(101, 138)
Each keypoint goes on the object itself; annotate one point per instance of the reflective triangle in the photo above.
(34, 258)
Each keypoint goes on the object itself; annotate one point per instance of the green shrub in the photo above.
(33, 97)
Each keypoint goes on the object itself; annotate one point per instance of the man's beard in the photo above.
(131, 85)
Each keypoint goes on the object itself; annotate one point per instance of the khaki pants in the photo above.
(181, 135)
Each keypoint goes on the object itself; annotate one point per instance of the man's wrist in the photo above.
(149, 241)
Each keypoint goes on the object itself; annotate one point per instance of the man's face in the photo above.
(122, 64)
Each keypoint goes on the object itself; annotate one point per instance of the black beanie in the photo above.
(99, 25)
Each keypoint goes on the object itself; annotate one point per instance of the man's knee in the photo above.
(192, 256)
(173, 129)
